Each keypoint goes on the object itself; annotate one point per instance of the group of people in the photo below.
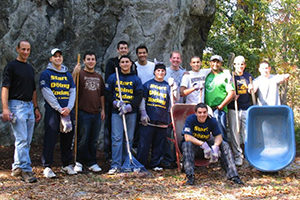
(140, 91)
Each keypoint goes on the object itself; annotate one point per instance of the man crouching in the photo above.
(197, 137)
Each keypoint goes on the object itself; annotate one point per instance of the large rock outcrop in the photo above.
(79, 25)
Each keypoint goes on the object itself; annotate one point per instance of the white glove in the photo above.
(65, 124)
(144, 118)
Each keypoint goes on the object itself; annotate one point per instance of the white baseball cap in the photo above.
(216, 57)
(53, 51)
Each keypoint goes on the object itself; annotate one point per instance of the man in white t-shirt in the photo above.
(266, 85)
(145, 68)
(192, 83)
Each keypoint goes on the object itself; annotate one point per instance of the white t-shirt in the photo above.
(267, 92)
(145, 72)
(188, 80)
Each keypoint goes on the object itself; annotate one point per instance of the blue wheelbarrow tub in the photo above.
(270, 137)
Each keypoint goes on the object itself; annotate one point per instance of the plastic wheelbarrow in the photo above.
(270, 137)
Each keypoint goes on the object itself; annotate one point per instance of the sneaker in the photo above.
(78, 167)
(95, 168)
(157, 169)
(48, 173)
(237, 180)
(28, 177)
(16, 172)
(239, 162)
(113, 171)
(68, 170)
(190, 179)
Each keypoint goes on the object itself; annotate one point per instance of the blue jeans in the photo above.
(118, 149)
(220, 115)
(23, 131)
(89, 126)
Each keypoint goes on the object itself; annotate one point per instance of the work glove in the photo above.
(125, 108)
(206, 150)
(144, 118)
(172, 83)
(214, 154)
(118, 104)
(65, 124)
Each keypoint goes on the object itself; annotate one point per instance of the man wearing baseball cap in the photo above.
(58, 89)
(219, 91)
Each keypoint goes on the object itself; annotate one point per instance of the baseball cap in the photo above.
(53, 51)
(216, 57)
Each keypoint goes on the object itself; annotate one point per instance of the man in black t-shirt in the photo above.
(237, 137)
(19, 104)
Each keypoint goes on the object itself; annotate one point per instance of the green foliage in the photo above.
(261, 29)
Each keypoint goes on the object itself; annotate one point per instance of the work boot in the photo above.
(190, 179)
(28, 177)
(237, 180)
(16, 172)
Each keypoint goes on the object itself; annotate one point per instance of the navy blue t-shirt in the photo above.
(157, 101)
(59, 83)
(201, 131)
(131, 89)
(244, 101)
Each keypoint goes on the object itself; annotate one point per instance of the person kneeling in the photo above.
(197, 138)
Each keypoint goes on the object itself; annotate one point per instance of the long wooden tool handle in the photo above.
(252, 91)
(76, 111)
(236, 106)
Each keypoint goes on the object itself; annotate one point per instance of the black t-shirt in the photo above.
(19, 78)
(244, 101)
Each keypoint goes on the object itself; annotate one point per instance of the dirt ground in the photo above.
(169, 184)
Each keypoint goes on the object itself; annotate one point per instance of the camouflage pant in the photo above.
(190, 151)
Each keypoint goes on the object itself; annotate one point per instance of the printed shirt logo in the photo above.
(60, 86)
(126, 89)
(92, 83)
(157, 96)
(242, 86)
(201, 133)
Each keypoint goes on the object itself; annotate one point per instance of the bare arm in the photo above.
(192, 139)
(227, 100)
(218, 140)
(102, 107)
(186, 91)
(76, 71)
(37, 113)
(4, 98)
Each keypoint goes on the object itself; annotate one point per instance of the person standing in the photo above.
(145, 68)
(175, 71)
(19, 101)
(154, 117)
(122, 49)
(132, 92)
(243, 98)
(58, 89)
(192, 84)
(266, 85)
(201, 134)
(219, 91)
(91, 112)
